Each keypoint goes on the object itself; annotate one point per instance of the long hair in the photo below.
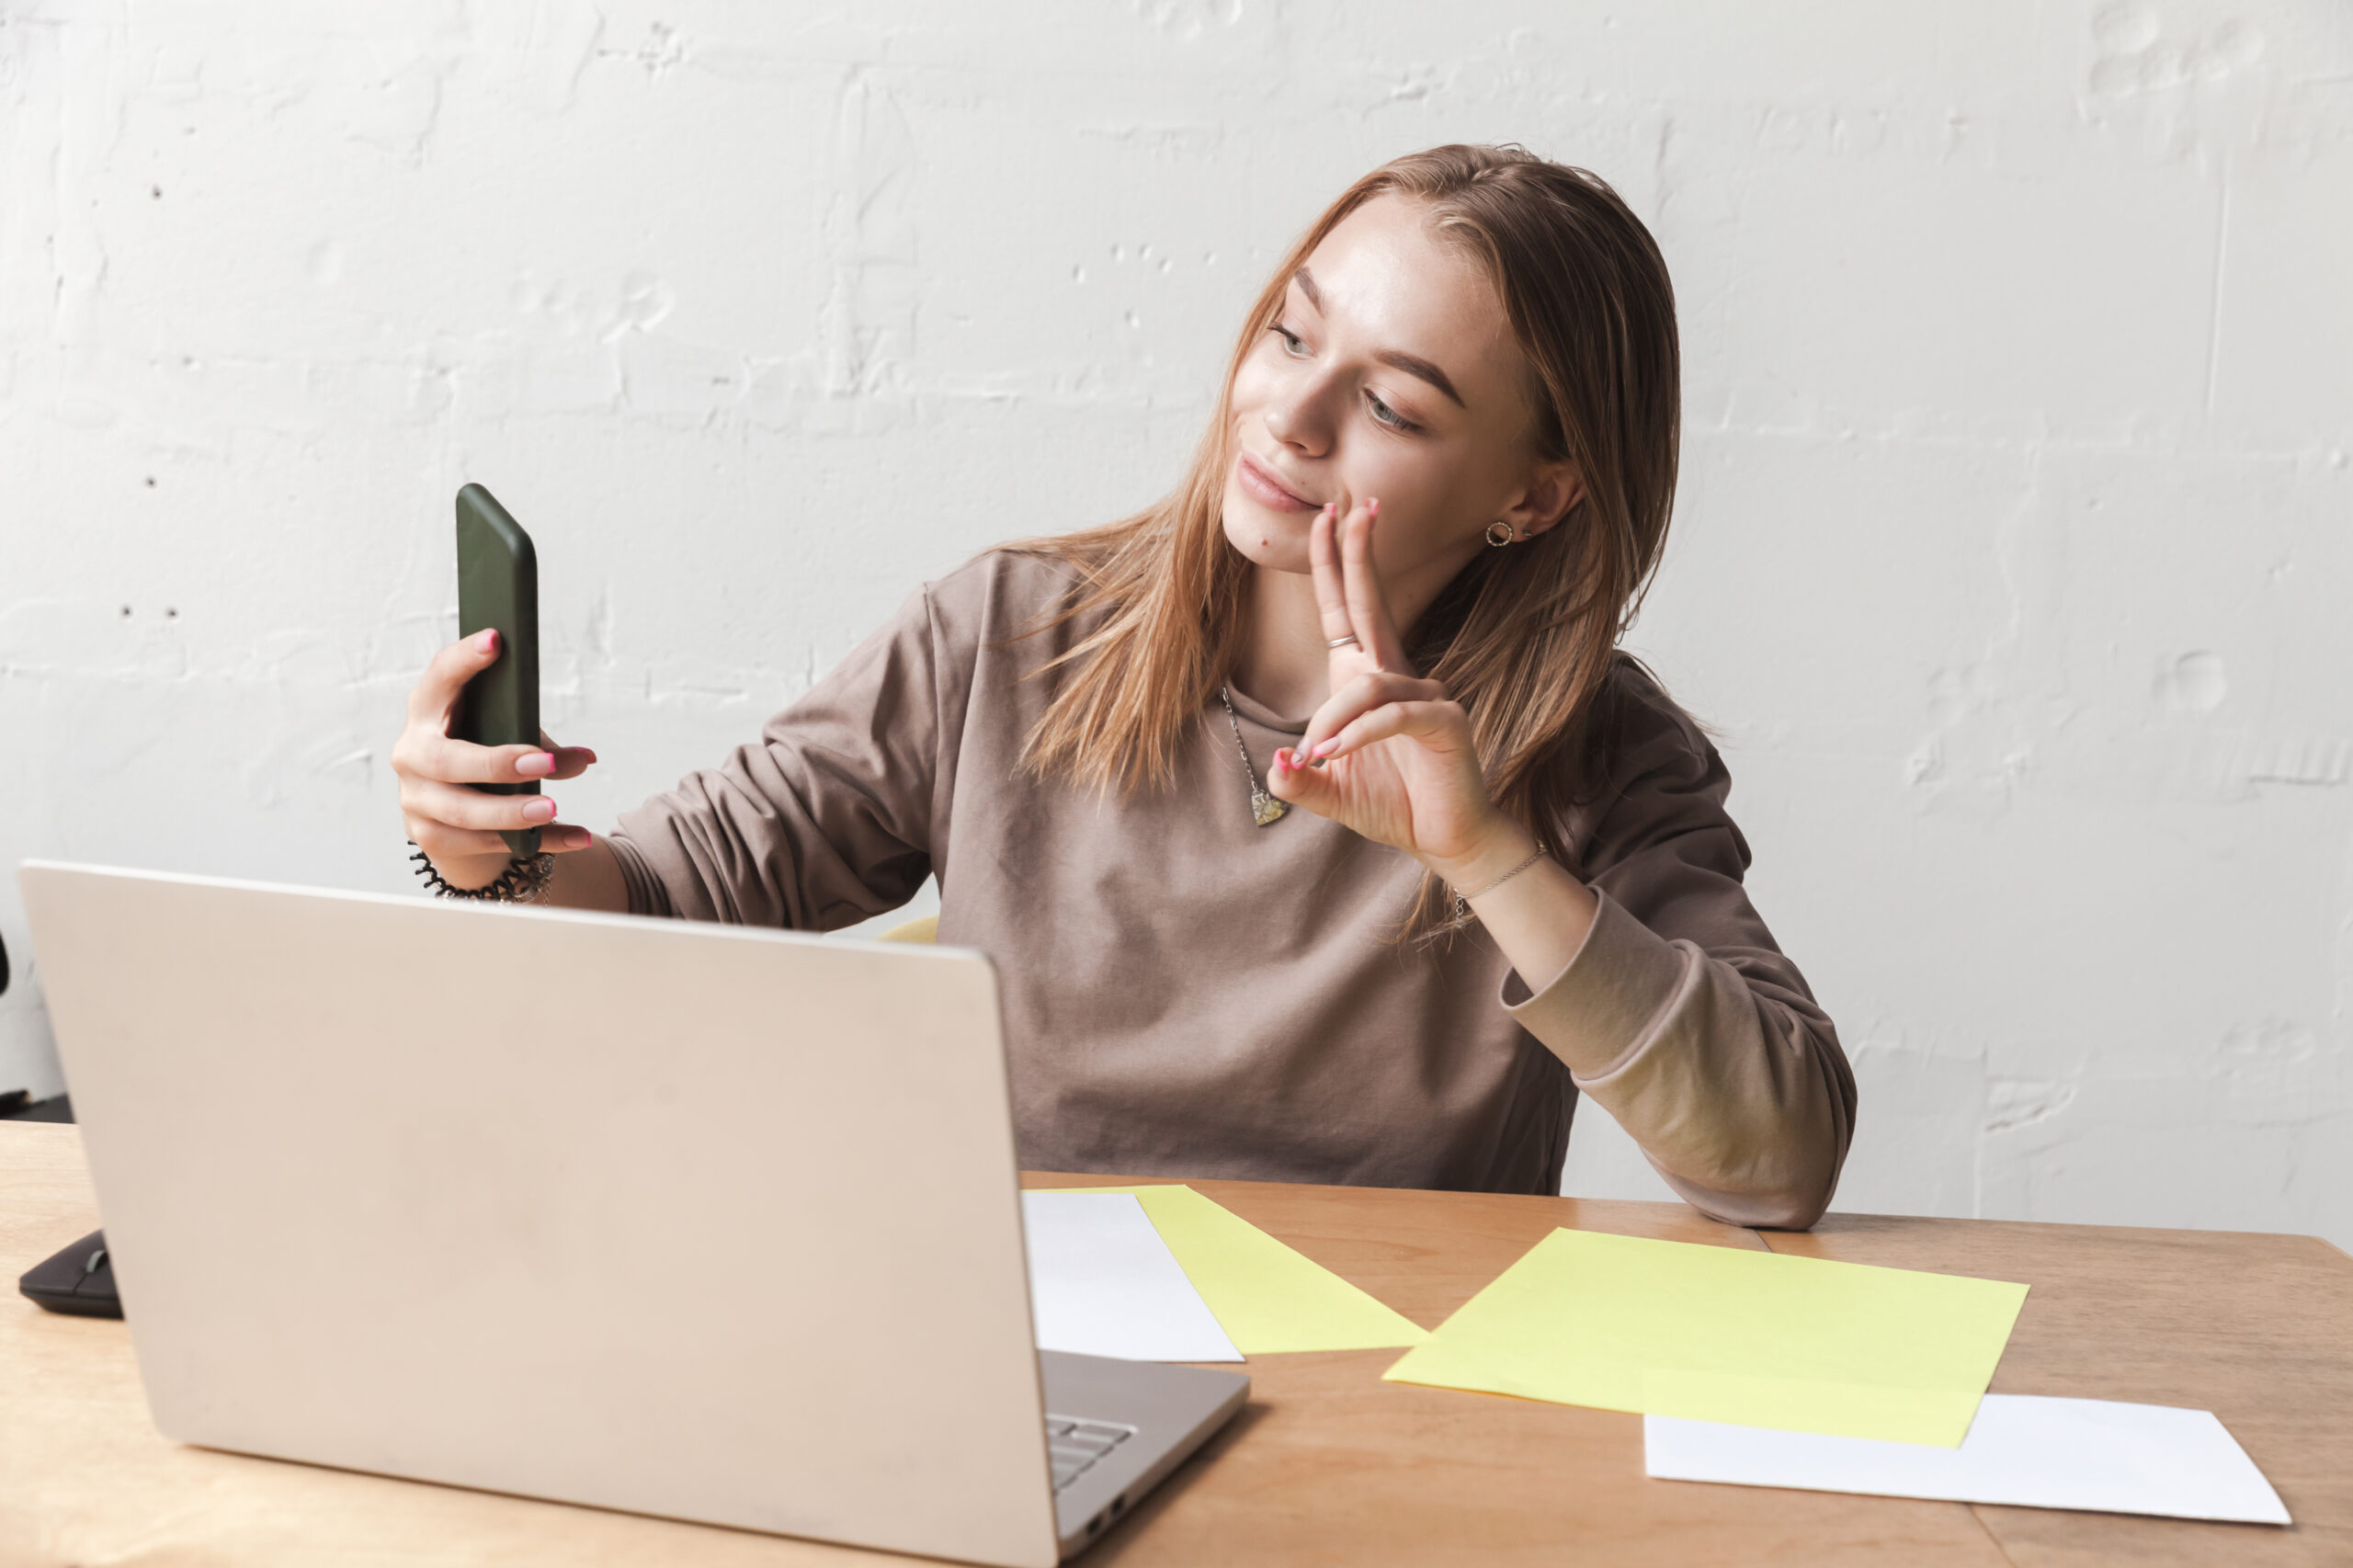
(1524, 638)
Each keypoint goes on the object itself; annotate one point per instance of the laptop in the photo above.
(687, 1220)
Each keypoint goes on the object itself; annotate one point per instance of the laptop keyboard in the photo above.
(1076, 1444)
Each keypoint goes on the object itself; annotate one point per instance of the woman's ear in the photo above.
(1552, 493)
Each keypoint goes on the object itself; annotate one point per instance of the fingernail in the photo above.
(1372, 507)
(488, 640)
(577, 837)
(540, 810)
(1327, 748)
(539, 765)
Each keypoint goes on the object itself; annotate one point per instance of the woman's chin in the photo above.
(1277, 540)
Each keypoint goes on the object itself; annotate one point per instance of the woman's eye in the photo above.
(1387, 415)
(1292, 344)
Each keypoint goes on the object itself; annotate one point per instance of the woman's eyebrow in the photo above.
(1415, 365)
(1396, 359)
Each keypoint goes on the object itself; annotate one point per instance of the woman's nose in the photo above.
(1292, 419)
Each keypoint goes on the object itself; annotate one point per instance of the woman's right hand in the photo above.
(457, 827)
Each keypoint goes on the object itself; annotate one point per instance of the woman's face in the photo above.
(1390, 372)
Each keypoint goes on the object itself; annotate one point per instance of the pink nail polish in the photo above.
(1327, 748)
(489, 640)
(540, 810)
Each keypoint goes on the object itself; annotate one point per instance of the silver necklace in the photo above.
(1265, 810)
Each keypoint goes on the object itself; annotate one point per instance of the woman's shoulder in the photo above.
(1657, 761)
(1649, 723)
(1003, 592)
(1664, 806)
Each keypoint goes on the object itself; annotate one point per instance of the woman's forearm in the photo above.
(1538, 915)
(1739, 1096)
(588, 879)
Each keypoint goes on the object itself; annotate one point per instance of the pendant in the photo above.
(1265, 810)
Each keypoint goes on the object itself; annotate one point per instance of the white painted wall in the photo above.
(2012, 563)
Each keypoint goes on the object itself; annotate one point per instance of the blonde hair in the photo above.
(1524, 638)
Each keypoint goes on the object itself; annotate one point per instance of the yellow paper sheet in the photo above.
(1722, 1333)
(1268, 1298)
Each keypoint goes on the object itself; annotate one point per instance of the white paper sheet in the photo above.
(2026, 1450)
(1103, 1283)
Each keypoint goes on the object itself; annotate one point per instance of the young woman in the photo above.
(1388, 942)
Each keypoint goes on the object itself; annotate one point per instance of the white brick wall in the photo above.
(2012, 561)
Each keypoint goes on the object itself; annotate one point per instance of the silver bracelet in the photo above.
(1462, 900)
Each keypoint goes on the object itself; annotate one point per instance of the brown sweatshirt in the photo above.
(1187, 993)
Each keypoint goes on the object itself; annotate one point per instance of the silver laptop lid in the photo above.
(682, 1219)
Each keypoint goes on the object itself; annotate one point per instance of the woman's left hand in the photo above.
(1397, 760)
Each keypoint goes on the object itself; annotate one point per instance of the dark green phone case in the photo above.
(498, 585)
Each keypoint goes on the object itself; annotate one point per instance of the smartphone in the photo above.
(498, 586)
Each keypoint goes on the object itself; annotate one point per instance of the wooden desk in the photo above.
(1328, 1464)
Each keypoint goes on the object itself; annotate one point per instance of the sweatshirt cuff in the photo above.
(1601, 1010)
(646, 893)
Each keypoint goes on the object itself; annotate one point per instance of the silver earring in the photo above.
(1509, 535)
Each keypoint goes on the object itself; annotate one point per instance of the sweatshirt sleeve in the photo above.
(833, 815)
(1680, 1014)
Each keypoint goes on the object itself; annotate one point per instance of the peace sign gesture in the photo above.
(1389, 754)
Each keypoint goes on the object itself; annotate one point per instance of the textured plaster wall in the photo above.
(2012, 562)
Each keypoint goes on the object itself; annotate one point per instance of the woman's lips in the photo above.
(1267, 490)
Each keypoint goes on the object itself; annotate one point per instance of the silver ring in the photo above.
(1343, 641)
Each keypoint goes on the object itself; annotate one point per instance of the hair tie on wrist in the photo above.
(523, 881)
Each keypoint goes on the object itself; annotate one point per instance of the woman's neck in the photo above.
(1283, 663)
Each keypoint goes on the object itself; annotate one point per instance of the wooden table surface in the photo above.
(1328, 1464)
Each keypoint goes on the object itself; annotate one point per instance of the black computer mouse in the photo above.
(79, 1281)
